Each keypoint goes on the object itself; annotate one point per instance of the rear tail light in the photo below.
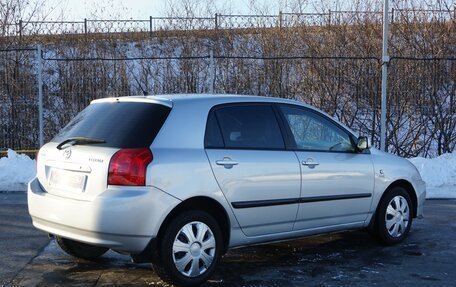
(128, 166)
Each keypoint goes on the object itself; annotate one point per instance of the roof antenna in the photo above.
(144, 92)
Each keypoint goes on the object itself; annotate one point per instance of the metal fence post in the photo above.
(329, 18)
(211, 72)
(216, 21)
(280, 20)
(150, 25)
(40, 93)
(20, 29)
(85, 26)
(385, 63)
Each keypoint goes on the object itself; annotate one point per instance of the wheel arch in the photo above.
(207, 204)
(410, 191)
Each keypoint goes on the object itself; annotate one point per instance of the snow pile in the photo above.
(16, 170)
(439, 174)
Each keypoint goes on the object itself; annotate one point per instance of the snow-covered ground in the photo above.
(438, 173)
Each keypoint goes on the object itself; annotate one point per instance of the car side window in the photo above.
(250, 127)
(213, 137)
(314, 132)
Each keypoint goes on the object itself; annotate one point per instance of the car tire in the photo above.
(189, 249)
(394, 216)
(79, 249)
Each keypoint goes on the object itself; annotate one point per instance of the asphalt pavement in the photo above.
(20, 243)
(426, 258)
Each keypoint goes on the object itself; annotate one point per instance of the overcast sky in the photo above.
(135, 9)
(141, 9)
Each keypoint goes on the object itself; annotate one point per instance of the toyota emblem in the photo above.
(67, 153)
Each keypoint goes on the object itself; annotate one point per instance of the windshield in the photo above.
(118, 124)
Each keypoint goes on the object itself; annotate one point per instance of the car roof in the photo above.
(170, 99)
(212, 99)
(219, 97)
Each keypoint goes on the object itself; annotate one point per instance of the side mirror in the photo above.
(363, 143)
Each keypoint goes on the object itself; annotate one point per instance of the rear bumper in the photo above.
(121, 218)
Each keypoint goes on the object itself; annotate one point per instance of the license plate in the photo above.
(67, 180)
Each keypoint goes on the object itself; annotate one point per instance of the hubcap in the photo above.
(397, 216)
(194, 249)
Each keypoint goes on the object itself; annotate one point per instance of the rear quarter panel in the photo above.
(180, 166)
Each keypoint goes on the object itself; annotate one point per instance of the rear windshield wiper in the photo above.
(79, 141)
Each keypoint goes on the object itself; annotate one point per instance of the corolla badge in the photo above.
(67, 153)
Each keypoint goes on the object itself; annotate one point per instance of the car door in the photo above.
(337, 180)
(258, 176)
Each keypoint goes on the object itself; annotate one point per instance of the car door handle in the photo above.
(310, 163)
(227, 162)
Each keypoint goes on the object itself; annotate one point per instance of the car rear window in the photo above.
(119, 124)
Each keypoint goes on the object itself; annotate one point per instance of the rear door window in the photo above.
(249, 127)
(119, 124)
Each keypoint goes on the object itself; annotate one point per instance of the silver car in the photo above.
(178, 180)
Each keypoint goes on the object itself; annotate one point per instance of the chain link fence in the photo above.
(288, 63)
(421, 100)
(70, 84)
(18, 99)
(422, 106)
(221, 21)
(346, 88)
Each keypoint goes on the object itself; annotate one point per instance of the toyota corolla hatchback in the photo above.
(178, 180)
